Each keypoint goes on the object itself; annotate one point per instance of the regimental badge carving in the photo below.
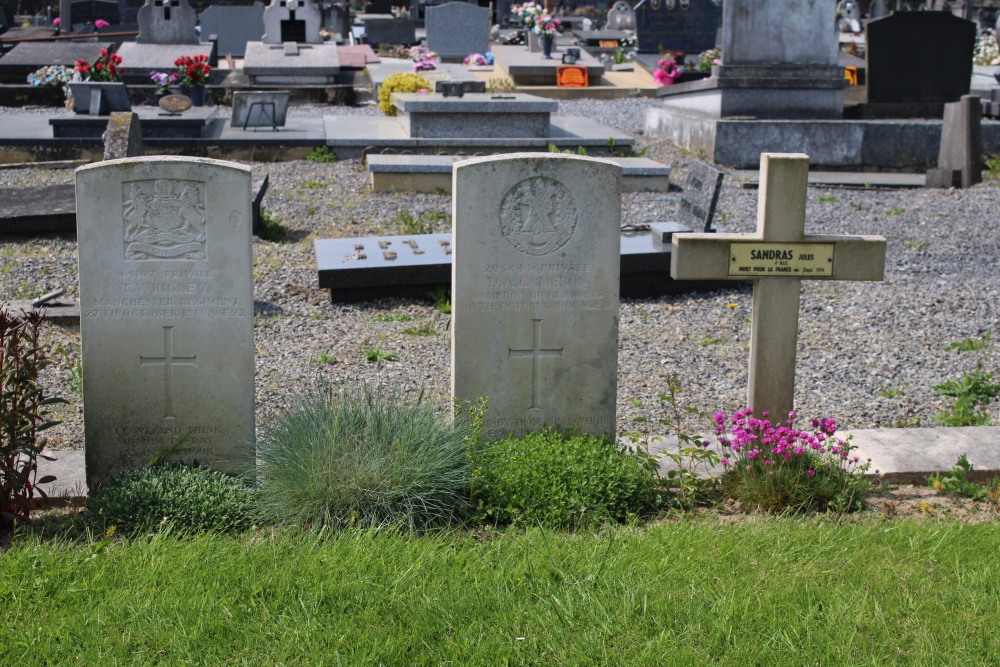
(654, 5)
(538, 215)
(164, 219)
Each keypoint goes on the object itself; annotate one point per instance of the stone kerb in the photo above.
(535, 285)
(167, 313)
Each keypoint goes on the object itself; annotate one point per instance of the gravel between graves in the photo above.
(869, 353)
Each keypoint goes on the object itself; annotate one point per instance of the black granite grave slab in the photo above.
(901, 66)
(677, 25)
(26, 57)
(29, 210)
(163, 126)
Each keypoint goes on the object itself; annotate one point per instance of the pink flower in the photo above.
(810, 472)
(56, 21)
(101, 23)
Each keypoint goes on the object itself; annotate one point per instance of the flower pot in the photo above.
(196, 93)
(547, 42)
(99, 98)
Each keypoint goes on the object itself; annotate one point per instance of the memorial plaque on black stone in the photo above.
(293, 31)
(677, 25)
(901, 70)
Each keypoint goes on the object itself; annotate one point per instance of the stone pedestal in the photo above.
(474, 115)
(291, 64)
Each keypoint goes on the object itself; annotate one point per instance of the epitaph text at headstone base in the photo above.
(535, 284)
(166, 313)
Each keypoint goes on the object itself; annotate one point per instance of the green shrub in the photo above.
(187, 497)
(22, 416)
(321, 155)
(271, 229)
(400, 82)
(560, 480)
(972, 394)
(364, 459)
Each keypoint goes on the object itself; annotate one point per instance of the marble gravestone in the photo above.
(233, 26)
(535, 284)
(166, 313)
(457, 29)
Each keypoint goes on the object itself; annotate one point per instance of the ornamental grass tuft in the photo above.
(364, 458)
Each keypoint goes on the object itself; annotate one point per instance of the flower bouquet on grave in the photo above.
(163, 81)
(477, 60)
(708, 58)
(106, 68)
(423, 60)
(547, 25)
(54, 75)
(527, 13)
(193, 70)
(667, 70)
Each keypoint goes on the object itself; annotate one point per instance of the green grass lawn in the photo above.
(776, 591)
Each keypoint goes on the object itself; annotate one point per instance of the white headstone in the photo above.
(167, 313)
(535, 291)
(778, 257)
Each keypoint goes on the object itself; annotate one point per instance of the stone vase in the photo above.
(196, 93)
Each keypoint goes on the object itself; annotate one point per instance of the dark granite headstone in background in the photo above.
(234, 27)
(391, 31)
(667, 25)
(379, 7)
(456, 29)
(919, 58)
(6, 18)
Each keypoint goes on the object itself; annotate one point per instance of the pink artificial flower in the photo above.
(101, 23)
(56, 21)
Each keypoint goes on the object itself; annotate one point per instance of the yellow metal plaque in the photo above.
(781, 259)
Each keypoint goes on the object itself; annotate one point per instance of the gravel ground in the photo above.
(869, 353)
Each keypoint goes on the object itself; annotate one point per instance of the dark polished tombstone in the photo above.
(88, 11)
(900, 72)
(233, 27)
(391, 31)
(6, 18)
(379, 7)
(677, 25)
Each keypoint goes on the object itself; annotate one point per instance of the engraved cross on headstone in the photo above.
(536, 353)
(777, 257)
(166, 4)
(168, 361)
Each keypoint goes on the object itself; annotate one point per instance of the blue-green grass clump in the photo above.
(364, 458)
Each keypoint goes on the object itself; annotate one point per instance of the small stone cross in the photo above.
(168, 361)
(536, 352)
(777, 257)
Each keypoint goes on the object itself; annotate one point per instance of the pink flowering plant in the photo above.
(547, 25)
(778, 467)
(667, 72)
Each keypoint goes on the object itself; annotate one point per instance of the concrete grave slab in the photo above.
(482, 115)
(291, 63)
(535, 284)
(27, 57)
(167, 303)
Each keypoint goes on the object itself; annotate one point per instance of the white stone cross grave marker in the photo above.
(777, 257)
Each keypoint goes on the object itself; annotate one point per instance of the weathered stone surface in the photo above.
(474, 115)
(167, 303)
(535, 287)
(167, 22)
(292, 21)
(233, 26)
(123, 138)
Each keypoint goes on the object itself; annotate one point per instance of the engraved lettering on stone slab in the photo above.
(536, 353)
(168, 361)
(164, 219)
(538, 216)
(384, 244)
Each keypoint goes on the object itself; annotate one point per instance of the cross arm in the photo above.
(709, 257)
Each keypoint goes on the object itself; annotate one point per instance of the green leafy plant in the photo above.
(22, 416)
(972, 393)
(321, 155)
(407, 223)
(324, 357)
(894, 212)
(174, 495)
(971, 344)
(270, 228)
(364, 458)
(376, 354)
(826, 198)
(560, 480)
(313, 185)
(992, 165)
(957, 481)
(500, 86)
(780, 468)
(392, 317)
(400, 82)
(427, 328)
(441, 296)
(708, 341)
(691, 456)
